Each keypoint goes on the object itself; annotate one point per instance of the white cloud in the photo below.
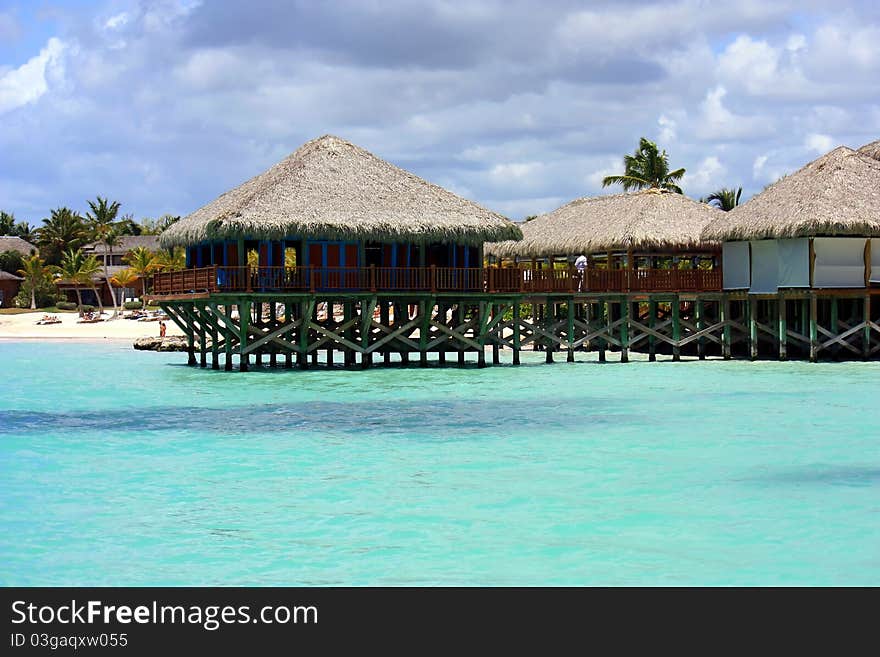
(30, 81)
(819, 143)
(706, 177)
(667, 128)
(719, 123)
(117, 21)
(612, 167)
(758, 166)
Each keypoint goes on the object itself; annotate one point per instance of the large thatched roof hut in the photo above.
(649, 220)
(809, 229)
(332, 189)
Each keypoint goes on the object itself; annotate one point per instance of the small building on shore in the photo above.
(818, 228)
(10, 284)
(649, 240)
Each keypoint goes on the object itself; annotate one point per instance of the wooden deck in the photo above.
(489, 280)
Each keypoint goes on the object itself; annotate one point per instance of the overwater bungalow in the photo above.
(645, 241)
(805, 253)
(333, 248)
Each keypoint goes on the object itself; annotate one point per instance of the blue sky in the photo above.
(521, 106)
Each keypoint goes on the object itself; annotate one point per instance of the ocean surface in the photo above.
(128, 468)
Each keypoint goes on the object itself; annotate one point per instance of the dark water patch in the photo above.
(822, 475)
(447, 418)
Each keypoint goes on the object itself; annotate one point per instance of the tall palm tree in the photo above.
(35, 273)
(63, 230)
(101, 218)
(646, 168)
(123, 279)
(143, 262)
(725, 198)
(80, 269)
(7, 223)
(173, 260)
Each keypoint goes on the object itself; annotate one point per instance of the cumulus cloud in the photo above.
(819, 143)
(30, 81)
(165, 104)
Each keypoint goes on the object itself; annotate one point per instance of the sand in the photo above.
(24, 327)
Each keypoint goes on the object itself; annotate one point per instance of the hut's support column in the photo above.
(676, 328)
(424, 328)
(753, 328)
(496, 356)
(314, 317)
(244, 316)
(190, 339)
(835, 348)
(366, 329)
(273, 320)
(624, 329)
(517, 336)
(385, 318)
(441, 317)
(227, 338)
(652, 324)
(288, 319)
(482, 322)
(866, 335)
(814, 328)
(305, 314)
(215, 351)
(347, 353)
(600, 318)
(461, 313)
(570, 333)
(701, 343)
(550, 311)
(783, 328)
(725, 330)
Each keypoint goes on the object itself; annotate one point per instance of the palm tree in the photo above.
(724, 199)
(101, 221)
(646, 168)
(79, 269)
(34, 273)
(7, 223)
(173, 260)
(63, 230)
(143, 263)
(123, 279)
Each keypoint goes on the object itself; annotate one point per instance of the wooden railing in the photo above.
(432, 279)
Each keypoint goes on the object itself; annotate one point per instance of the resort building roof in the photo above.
(125, 244)
(6, 276)
(24, 247)
(649, 219)
(836, 194)
(331, 189)
(871, 150)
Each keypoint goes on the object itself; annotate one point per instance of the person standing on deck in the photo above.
(581, 265)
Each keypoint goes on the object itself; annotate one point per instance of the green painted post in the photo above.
(814, 328)
(782, 331)
(385, 319)
(551, 309)
(481, 333)
(866, 334)
(570, 335)
(701, 343)
(753, 328)
(227, 339)
(273, 320)
(215, 352)
(288, 318)
(424, 327)
(600, 316)
(517, 337)
(624, 329)
(725, 330)
(244, 317)
(835, 327)
(676, 328)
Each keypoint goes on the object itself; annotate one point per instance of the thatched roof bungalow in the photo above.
(815, 228)
(338, 205)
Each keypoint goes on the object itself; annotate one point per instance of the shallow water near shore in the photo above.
(128, 468)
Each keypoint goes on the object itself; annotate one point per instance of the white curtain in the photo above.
(765, 267)
(735, 265)
(875, 261)
(840, 262)
(794, 262)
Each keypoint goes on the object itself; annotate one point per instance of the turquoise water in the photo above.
(128, 468)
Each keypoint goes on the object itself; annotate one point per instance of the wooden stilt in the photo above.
(652, 324)
(753, 328)
(215, 350)
(227, 340)
(482, 321)
(570, 333)
(600, 319)
(424, 328)
(517, 334)
(814, 328)
(461, 314)
(698, 318)
(676, 328)
(725, 331)
(782, 332)
(624, 329)
(385, 319)
(866, 331)
(835, 327)
(244, 317)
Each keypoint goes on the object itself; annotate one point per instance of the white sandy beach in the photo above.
(24, 327)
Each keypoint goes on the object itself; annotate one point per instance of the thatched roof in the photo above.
(871, 150)
(24, 247)
(837, 194)
(126, 243)
(331, 189)
(650, 219)
(6, 276)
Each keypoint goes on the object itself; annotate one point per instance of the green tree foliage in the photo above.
(80, 269)
(62, 231)
(142, 262)
(725, 198)
(9, 226)
(11, 261)
(647, 168)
